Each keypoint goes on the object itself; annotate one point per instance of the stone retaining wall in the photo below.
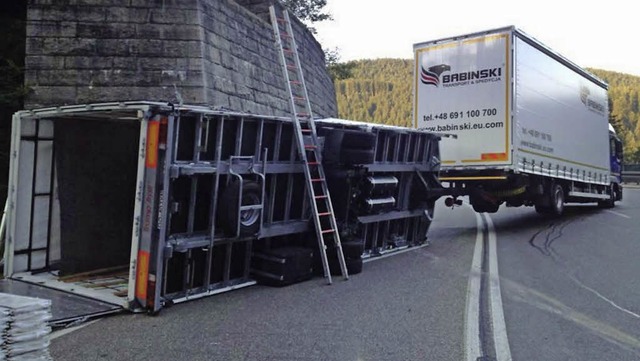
(219, 53)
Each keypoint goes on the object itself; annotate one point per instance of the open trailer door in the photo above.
(75, 205)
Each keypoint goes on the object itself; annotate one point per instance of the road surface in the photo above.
(505, 286)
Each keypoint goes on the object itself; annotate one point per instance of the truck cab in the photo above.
(615, 160)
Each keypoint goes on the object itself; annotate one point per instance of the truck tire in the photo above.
(556, 205)
(354, 139)
(611, 202)
(353, 249)
(354, 266)
(357, 156)
(228, 210)
(481, 206)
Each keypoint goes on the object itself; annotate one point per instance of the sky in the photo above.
(596, 34)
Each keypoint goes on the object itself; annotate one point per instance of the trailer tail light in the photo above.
(153, 132)
(142, 275)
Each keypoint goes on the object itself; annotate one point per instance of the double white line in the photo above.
(485, 287)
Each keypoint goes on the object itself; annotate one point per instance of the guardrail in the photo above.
(631, 177)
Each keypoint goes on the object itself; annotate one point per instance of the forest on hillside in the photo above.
(381, 91)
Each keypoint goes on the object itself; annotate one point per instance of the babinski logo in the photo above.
(586, 99)
(431, 76)
(584, 94)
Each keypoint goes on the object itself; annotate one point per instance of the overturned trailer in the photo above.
(140, 204)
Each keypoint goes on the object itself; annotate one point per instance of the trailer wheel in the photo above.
(355, 139)
(353, 249)
(357, 156)
(354, 265)
(249, 219)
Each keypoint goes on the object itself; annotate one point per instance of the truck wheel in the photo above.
(611, 202)
(557, 200)
(249, 219)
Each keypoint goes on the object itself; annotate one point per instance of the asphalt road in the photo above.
(570, 290)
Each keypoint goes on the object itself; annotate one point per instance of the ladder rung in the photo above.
(313, 163)
(328, 231)
(282, 20)
(302, 114)
(296, 82)
(287, 50)
(284, 34)
(299, 98)
(306, 130)
(292, 66)
(317, 180)
(324, 214)
(310, 146)
(324, 196)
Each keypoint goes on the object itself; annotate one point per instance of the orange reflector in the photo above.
(153, 131)
(493, 156)
(142, 275)
(162, 137)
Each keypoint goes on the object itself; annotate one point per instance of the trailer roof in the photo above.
(528, 39)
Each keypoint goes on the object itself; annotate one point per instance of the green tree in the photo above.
(12, 27)
(308, 10)
(337, 70)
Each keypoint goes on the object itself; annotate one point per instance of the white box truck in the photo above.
(531, 127)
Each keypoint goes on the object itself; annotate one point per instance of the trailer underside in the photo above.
(139, 204)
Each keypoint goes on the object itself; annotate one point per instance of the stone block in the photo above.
(38, 62)
(87, 62)
(128, 15)
(168, 32)
(156, 63)
(60, 29)
(181, 48)
(69, 46)
(124, 62)
(113, 47)
(45, 96)
(174, 16)
(145, 47)
(105, 30)
(165, 4)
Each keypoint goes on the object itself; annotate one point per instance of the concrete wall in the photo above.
(219, 53)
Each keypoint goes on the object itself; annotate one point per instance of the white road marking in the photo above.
(602, 297)
(472, 316)
(618, 214)
(66, 331)
(501, 341)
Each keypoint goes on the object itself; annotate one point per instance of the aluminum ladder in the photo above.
(307, 141)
